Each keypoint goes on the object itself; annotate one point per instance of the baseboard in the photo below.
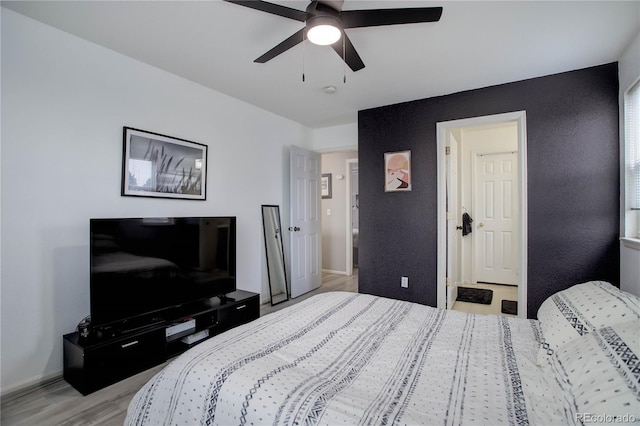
(330, 271)
(11, 392)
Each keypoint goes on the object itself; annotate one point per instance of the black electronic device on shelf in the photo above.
(143, 267)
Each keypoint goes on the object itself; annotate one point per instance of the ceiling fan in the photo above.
(325, 22)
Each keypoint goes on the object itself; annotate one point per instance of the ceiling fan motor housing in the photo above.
(323, 24)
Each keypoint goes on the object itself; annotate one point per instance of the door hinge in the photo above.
(448, 215)
(448, 282)
(447, 150)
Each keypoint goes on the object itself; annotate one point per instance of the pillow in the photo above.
(601, 371)
(103, 243)
(580, 309)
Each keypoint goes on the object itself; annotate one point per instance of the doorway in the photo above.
(340, 213)
(352, 214)
(482, 208)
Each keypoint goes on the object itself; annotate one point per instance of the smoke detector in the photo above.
(329, 90)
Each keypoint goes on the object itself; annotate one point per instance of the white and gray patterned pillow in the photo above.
(601, 372)
(581, 309)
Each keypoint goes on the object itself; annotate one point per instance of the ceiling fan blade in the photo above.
(274, 9)
(377, 17)
(296, 38)
(351, 57)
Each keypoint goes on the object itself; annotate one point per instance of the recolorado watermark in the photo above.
(605, 418)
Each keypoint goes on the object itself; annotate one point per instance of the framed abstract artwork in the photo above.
(155, 165)
(397, 167)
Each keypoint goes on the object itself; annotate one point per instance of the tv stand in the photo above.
(226, 298)
(95, 363)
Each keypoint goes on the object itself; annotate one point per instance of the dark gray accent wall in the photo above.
(573, 184)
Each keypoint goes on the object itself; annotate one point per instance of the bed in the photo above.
(344, 358)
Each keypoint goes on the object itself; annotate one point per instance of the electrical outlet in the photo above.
(404, 282)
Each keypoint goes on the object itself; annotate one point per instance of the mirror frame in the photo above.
(266, 248)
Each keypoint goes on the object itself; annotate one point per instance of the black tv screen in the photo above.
(142, 266)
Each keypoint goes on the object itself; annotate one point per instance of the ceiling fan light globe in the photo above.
(324, 34)
(324, 28)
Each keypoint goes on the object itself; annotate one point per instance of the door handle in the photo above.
(294, 229)
(480, 225)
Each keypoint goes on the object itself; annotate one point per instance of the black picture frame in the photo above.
(161, 166)
(397, 169)
(325, 185)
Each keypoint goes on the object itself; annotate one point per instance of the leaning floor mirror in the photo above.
(275, 254)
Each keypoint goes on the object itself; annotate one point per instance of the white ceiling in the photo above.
(475, 44)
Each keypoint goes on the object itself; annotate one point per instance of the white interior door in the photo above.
(495, 226)
(305, 229)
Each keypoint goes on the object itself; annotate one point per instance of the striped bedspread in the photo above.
(344, 358)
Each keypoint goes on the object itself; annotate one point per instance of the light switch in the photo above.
(328, 212)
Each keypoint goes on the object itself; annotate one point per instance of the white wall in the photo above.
(628, 72)
(334, 225)
(64, 103)
(336, 138)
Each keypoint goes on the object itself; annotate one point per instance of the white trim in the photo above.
(26, 386)
(630, 219)
(442, 129)
(632, 243)
(331, 271)
(441, 270)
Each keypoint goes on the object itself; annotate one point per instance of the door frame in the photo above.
(442, 131)
(453, 207)
(349, 215)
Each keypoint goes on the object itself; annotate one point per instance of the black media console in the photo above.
(99, 362)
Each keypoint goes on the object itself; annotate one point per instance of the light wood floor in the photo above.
(330, 282)
(57, 403)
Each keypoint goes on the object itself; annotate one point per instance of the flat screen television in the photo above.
(142, 267)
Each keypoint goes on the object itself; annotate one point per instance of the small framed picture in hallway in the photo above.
(325, 185)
